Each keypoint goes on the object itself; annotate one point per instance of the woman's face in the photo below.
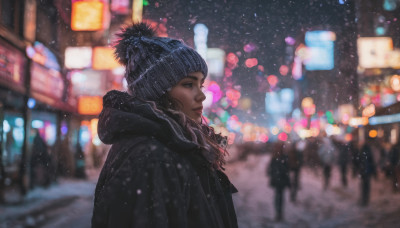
(189, 93)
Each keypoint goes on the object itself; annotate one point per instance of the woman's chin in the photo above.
(197, 119)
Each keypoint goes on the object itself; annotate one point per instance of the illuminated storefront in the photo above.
(52, 111)
(12, 91)
(379, 92)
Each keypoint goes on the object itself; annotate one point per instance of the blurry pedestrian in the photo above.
(311, 153)
(65, 158)
(367, 169)
(9, 147)
(355, 157)
(326, 152)
(40, 162)
(80, 162)
(295, 161)
(311, 158)
(381, 156)
(165, 167)
(344, 156)
(278, 173)
(394, 161)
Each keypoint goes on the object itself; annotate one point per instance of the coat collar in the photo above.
(124, 116)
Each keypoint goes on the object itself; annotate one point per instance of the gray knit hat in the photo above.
(154, 64)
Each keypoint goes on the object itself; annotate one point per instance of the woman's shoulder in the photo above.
(146, 149)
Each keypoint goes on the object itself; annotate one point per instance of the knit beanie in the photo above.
(153, 65)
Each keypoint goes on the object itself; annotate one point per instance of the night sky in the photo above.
(234, 23)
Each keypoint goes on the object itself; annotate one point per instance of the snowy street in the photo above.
(335, 207)
(66, 204)
(69, 204)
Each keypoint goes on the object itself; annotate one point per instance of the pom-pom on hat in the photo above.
(154, 64)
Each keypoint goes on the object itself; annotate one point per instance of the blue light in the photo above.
(84, 135)
(380, 31)
(19, 122)
(64, 130)
(37, 124)
(320, 46)
(6, 126)
(389, 5)
(341, 2)
(31, 103)
(384, 119)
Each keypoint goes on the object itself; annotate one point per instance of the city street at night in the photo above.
(199, 113)
(315, 207)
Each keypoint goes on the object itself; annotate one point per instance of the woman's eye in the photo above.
(188, 85)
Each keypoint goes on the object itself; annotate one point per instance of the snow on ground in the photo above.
(315, 207)
(40, 197)
(334, 207)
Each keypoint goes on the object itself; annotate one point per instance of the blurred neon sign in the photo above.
(320, 50)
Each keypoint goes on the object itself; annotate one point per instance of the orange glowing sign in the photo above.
(87, 16)
(90, 105)
(373, 133)
(103, 59)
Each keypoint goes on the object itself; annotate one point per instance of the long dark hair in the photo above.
(213, 146)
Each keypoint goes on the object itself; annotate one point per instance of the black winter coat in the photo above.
(366, 162)
(278, 172)
(153, 175)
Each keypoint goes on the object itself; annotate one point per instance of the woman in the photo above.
(164, 168)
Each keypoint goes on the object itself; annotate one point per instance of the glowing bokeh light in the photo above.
(272, 80)
(263, 138)
(373, 133)
(288, 128)
(233, 94)
(249, 47)
(232, 60)
(251, 62)
(31, 103)
(282, 136)
(228, 72)
(216, 91)
(283, 70)
(37, 124)
(369, 110)
(307, 102)
(348, 137)
(395, 82)
(274, 130)
(290, 40)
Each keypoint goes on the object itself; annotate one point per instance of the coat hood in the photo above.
(124, 116)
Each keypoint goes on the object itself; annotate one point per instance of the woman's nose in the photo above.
(200, 96)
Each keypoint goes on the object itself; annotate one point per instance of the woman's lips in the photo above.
(199, 110)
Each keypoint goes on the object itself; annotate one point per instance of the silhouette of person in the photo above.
(366, 169)
(40, 162)
(278, 172)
